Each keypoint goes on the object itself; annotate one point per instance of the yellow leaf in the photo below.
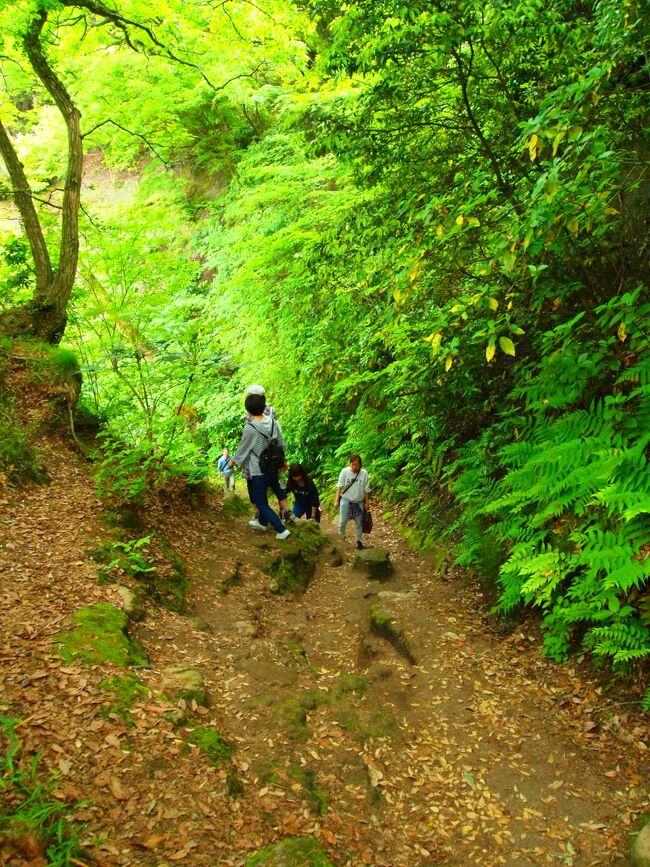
(532, 147)
(449, 362)
(556, 141)
(439, 230)
(437, 339)
(460, 220)
(622, 331)
(493, 304)
(507, 345)
(573, 227)
(489, 352)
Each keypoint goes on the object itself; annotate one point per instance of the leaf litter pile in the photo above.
(456, 744)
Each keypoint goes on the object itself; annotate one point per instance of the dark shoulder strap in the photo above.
(260, 432)
(347, 488)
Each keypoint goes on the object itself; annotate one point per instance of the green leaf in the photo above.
(507, 345)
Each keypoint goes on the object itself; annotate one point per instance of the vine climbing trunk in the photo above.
(45, 315)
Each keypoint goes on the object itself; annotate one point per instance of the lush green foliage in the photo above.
(423, 226)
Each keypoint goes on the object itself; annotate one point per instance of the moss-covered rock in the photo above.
(641, 848)
(375, 562)
(131, 603)
(183, 681)
(316, 796)
(293, 712)
(293, 565)
(210, 742)
(126, 690)
(100, 635)
(292, 852)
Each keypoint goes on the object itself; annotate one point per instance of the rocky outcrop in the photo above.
(375, 562)
(182, 681)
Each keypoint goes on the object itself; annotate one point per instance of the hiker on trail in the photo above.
(352, 497)
(283, 503)
(227, 472)
(257, 447)
(307, 501)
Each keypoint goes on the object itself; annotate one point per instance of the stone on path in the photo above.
(183, 681)
(391, 618)
(131, 603)
(292, 852)
(641, 848)
(375, 562)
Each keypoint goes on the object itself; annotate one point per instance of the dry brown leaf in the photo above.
(118, 789)
(154, 841)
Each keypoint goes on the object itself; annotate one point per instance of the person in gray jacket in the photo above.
(352, 497)
(255, 436)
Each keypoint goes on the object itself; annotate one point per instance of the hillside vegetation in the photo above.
(423, 226)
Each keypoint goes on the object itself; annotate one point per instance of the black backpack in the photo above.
(271, 458)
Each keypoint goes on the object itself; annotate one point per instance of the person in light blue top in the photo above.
(226, 471)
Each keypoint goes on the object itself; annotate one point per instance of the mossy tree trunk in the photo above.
(45, 315)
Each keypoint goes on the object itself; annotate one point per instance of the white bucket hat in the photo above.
(255, 389)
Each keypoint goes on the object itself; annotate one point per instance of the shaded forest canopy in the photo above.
(423, 226)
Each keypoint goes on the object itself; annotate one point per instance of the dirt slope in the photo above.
(474, 751)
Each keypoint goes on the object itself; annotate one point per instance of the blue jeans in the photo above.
(257, 487)
(300, 509)
(343, 518)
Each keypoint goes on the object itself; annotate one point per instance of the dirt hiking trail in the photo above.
(390, 720)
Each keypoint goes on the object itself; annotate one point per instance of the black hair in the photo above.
(255, 404)
(296, 470)
(355, 458)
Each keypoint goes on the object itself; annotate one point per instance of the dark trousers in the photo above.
(257, 488)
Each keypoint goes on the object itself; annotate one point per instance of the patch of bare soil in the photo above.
(468, 750)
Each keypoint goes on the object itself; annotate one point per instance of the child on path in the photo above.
(307, 501)
(258, 429)
(352, 497)
(227, 472)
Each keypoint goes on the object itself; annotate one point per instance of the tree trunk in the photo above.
(45, 316)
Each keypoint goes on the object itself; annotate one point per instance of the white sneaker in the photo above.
(283, 535)
(256, 524)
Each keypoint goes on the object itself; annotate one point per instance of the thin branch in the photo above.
(130, 132)
(123, 24)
